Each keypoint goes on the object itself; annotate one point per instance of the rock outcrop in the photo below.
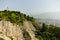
(18, 32)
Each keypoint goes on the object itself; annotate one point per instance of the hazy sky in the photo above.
(31, 6)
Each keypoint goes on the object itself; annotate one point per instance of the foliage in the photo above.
(14, 17)
(50, 32)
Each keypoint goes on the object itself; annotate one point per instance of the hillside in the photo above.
(16, 26)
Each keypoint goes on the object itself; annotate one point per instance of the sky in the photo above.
(31, 7)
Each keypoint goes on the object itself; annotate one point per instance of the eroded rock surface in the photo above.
(25, 32)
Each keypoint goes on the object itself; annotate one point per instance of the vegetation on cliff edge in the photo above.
(14, 17)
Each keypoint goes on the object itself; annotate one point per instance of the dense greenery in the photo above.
(48, 32)
(14, 17)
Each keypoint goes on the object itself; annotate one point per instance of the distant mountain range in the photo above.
(49, 18)
(49, 21)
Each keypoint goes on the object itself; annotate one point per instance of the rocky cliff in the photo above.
(12, 31)
(15, 25)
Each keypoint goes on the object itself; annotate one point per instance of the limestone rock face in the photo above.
(30, 29)
(4, 37)
(16, 32)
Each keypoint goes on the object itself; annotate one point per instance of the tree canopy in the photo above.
(14, 17)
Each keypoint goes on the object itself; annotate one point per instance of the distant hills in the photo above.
(49, 21)
(48, 15)
(49, 18)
